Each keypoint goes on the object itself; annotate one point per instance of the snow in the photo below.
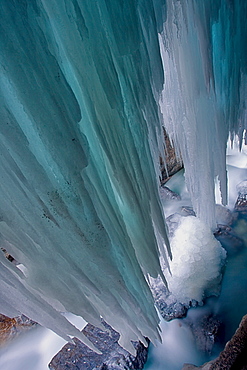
(197, 261)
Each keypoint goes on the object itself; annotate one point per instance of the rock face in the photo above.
(206, 330)
(172, 163)
(229, 240)
(78, 356)
(233, 357)
(241, 203)
(10, 328)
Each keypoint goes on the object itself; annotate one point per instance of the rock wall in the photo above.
(233, 357)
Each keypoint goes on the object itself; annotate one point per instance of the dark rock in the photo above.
(233, 357)
(174, 310)
(172, 163)
(168, 194)
(8, 256)
(241, 203)
(113, 357)
(165, 302)
(190, 367)
(229, 240)
(206, 331)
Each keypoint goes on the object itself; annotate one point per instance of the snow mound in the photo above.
(197, 261)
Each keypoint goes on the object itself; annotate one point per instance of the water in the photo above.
(232, 303)
(34, 349)
(178, 347)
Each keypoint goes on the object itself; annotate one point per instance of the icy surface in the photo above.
(80, 207)
(197, 261)
(80, 139)
(204, 58)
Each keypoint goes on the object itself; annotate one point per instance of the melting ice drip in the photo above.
(80, 139)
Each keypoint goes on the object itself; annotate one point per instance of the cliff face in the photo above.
(171, 163)
(233, 356)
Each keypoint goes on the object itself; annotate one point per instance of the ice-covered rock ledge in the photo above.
(113, 357)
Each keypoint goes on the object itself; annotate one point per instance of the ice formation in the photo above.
(204, 58)
(80, 138)
(80, 208)
(197, 258)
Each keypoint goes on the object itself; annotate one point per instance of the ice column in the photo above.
(80, 208)
(204, 57)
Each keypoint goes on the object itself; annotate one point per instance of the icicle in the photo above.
(203, 57)
(79, 196)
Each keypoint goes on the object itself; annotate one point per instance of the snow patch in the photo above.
(197, 261)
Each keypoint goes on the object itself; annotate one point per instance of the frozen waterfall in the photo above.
(86, 87)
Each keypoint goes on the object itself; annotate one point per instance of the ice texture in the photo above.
(197, 261)
(204, 57)
(80, 139)
(79, 144)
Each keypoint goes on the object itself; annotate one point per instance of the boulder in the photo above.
(223, 215)
(78, 356)
(232, 243)
(166, 303)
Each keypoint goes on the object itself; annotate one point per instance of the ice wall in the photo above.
(204, 96)
(79, 207)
